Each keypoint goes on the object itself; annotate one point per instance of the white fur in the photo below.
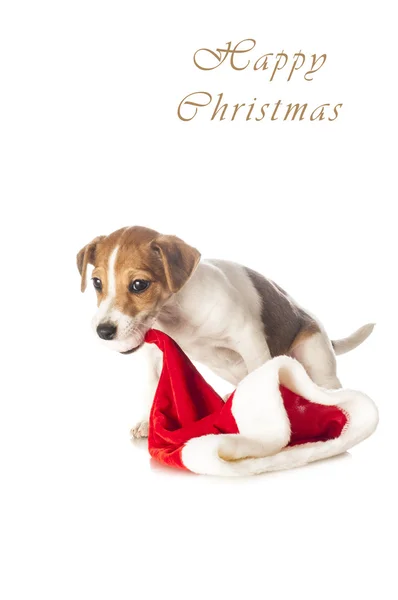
(349, 343)
(216, 319)
(154, 363)
(263, 424)
(130, 331)
(105, 310)
(317, 356)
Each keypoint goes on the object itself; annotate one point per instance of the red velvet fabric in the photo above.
(311, 422)
(186, 406)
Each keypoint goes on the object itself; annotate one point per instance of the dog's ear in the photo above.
(178, 258)
(87, 256)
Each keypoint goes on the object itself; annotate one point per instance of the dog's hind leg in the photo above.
(315, 353)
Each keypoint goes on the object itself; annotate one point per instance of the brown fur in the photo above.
(164, 260)
(85, 256)
(304, 335)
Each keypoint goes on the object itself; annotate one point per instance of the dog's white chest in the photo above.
(214, 353)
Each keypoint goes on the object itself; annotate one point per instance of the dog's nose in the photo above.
(106, 331)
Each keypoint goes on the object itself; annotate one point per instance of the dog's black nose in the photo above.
(106, 331)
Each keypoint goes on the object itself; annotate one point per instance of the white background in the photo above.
(91, 142)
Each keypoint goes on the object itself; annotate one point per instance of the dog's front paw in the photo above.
(140, 430)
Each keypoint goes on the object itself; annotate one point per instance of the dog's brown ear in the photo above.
(87, 256)
(178, 258)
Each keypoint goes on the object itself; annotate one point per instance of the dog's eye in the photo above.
(139, 285)
(97, 283)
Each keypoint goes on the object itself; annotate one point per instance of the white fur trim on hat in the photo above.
(264, 427)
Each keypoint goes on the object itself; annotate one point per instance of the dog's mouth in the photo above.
(133, 349)
(145, 327)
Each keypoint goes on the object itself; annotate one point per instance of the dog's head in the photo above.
(136, 270)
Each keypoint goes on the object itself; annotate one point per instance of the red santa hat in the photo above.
(277, 418)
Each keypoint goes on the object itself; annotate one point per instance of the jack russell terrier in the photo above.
(222, 314)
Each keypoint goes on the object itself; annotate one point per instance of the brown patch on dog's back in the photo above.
(282, 319)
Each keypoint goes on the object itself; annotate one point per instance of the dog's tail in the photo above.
(352, 341)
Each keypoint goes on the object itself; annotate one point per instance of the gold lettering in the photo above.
(262, 112)
(336, 112)
(186, 102)
(218, 107)
(248, 116)
(294, 68)
(264, 64)
(319, 116)
(277, 105)
(277, 67)
(220, 54)
(314, 61)
(296, 108)
(237, 107)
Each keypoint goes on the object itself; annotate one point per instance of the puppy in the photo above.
(222, 314)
